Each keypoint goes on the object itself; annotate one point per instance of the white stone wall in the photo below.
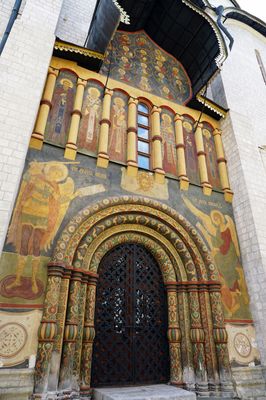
(75, 19)
(23, 68)
(244, 131)
(6, 7)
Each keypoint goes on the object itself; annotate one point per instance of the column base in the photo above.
(36, 141)
(207, 189)
(228, 195)
(183, 183)
(132, 170)
(70, 152)
(159, 176)
(102, 160)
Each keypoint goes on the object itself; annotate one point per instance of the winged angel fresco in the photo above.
(220, 234)
(45, 194)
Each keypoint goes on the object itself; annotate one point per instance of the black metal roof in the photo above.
(181, 31)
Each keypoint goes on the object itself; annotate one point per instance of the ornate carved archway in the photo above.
(196, 332)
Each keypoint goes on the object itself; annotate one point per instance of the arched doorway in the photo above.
(131, 345)
(196, 333)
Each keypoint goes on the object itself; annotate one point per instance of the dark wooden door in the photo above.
(130, 345)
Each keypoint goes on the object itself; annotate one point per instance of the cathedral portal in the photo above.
(148, 233)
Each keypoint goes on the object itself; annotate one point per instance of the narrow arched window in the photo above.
(143, 123)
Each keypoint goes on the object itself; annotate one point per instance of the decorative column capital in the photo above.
(217, 132)
(156, 109)
(171, 286)
(133, 101)
(53, 71)
(108, 92)
(56, 269)
(198, 125)
(93, 280)
(178, 117)
(81, 82)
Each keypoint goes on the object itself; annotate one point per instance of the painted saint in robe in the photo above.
(62, 105)
(89, 127)
(169, 150)
(220, 234)
(211, 159)
(190, 152)
(118, 131)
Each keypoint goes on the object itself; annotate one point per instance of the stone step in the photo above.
(152, 392)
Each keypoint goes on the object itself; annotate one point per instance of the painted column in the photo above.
(37, 136)
(58, 340)
(70, 333)
(210, 352)
(186, 345)
(180, 153)
(197, 338)
(48, 327)
(157, 159)
(132, 163)
(220, 338)
(103, 157)
(204, 180)
(71, 146)
(79, 338)
(228, 194)
(174, 336)
(88, 336)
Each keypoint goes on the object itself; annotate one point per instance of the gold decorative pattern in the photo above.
(77, 49)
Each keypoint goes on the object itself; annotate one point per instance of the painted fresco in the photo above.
(136, 60)
(211, 159)
(144, 184)
(53, 190)
(190, 150)
(47, 190)
(91, 115)
(168, 144)
(58, 123)
(117, 146)
(218, 229)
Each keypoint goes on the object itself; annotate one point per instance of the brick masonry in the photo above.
(23, 68)
(74, 21)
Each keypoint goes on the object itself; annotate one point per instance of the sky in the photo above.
(255, 7)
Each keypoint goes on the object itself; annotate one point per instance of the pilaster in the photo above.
(37, 136)
(180, 153)
(71, 146)
(103, 157)
(157, 159)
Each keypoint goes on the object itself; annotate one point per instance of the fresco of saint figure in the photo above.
(220, 234)
(89, 127)
(62, 105)
(211, 159)
(117, 141)
(190, 152)
(169, 150)
(45, 194)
